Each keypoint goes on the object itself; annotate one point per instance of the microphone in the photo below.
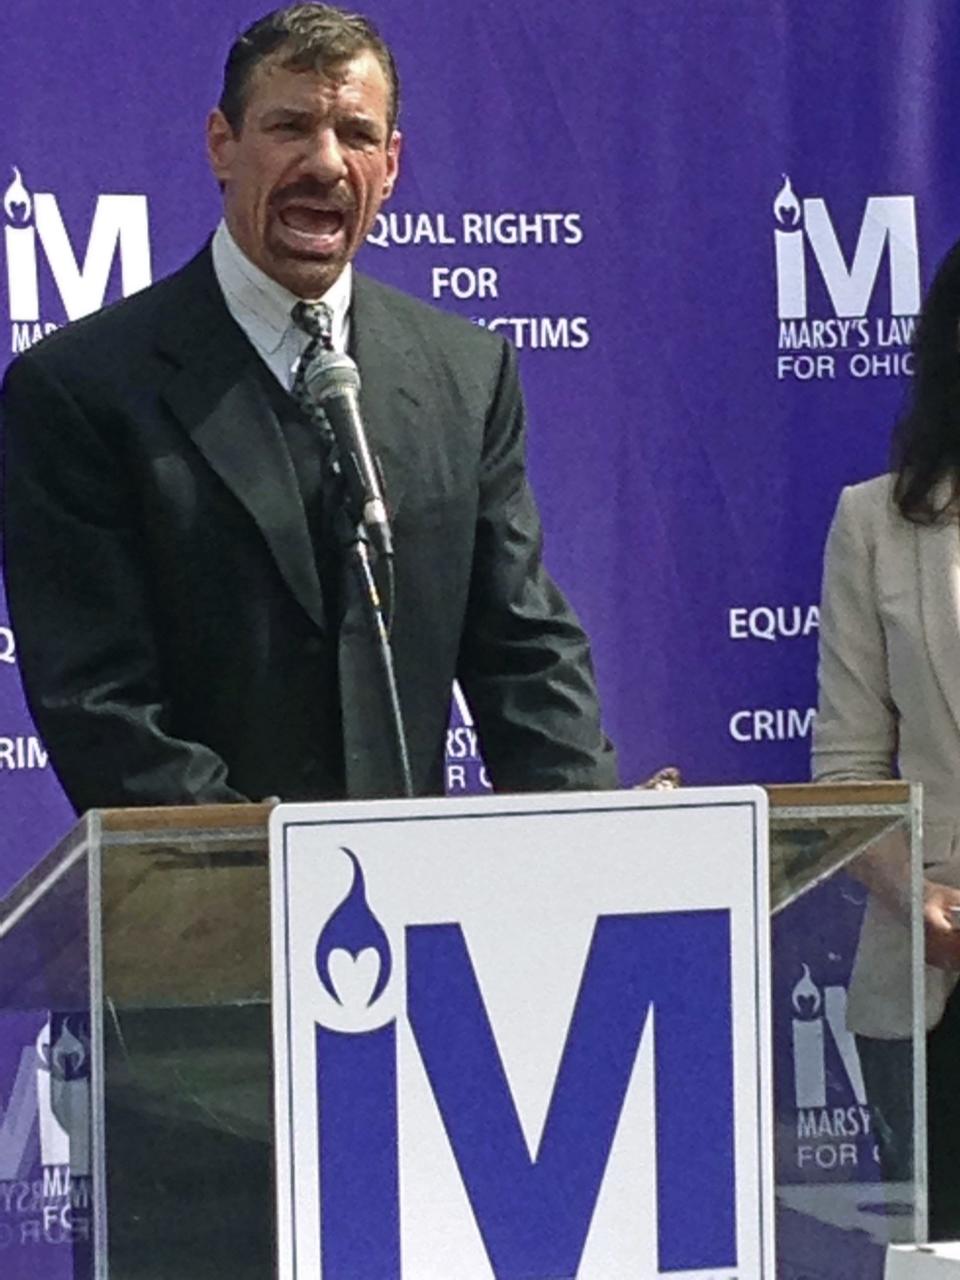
(333, 383)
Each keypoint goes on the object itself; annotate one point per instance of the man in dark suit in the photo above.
(187, 632)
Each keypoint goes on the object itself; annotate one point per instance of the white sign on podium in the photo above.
(523, 1037)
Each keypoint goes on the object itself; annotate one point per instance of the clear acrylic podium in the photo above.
(140, 945)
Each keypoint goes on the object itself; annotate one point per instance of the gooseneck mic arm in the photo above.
(391, 694)
(333, 382)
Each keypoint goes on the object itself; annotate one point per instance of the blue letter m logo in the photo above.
(534, 1215)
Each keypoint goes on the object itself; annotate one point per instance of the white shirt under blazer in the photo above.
(889, 703)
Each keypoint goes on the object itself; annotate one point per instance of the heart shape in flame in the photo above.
(354, 978)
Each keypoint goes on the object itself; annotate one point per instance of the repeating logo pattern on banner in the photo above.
(45, 1194)
(853, 334)
(642, 284)
(37, 245)
(829, 1138)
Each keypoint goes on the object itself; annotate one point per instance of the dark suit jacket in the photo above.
(164, 589)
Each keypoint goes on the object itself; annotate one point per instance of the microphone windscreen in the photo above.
(330, 373)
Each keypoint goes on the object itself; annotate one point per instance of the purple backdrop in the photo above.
(685, 463)
(704, 227)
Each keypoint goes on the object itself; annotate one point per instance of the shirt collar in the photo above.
(259, 304)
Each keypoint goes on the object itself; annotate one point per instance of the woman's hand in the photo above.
(941, 936)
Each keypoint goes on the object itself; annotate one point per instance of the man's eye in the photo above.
(360, 138)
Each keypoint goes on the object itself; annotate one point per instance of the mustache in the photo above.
(338, 198)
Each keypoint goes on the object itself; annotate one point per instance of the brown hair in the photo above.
(306, 37)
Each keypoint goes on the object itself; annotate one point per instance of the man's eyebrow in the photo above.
(363, 118)
(368, 122)
(287, 113)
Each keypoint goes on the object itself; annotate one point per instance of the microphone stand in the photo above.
(332, 385)
(360, 558)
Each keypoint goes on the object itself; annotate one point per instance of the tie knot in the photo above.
(314, 318)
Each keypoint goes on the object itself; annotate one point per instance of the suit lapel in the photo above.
(392, 376)
(216, 392)
(938, 570)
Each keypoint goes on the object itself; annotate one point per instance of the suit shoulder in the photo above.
(116, 331)
(870, 498)
(867, 510)
(433, 324)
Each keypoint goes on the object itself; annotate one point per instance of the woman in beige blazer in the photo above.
(889, 704)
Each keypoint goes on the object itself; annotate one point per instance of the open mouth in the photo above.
(312, 228)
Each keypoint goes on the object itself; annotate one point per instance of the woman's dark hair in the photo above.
(926, 441)
(305, 37)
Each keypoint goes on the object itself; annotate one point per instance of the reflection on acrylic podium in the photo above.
(137, 1135)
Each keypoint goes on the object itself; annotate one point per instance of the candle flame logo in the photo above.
(68, 1056)
(17, 203)
(786, 206)
(806, 996)
(354, 929)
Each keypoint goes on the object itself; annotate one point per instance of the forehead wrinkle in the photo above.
(319, 93)
(334, 73)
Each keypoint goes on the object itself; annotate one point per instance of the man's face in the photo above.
(307, 170)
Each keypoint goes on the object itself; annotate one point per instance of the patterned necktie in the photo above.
(316, 320)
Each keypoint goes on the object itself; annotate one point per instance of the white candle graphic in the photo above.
(808, 1064)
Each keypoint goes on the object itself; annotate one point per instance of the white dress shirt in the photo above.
(262, 307)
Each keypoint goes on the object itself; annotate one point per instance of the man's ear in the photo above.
(221, 142)
(393, 164)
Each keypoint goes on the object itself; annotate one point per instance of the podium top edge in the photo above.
(201, 817)
(255, 817)
(824, 795)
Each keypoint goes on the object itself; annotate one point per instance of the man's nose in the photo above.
(325, 157)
